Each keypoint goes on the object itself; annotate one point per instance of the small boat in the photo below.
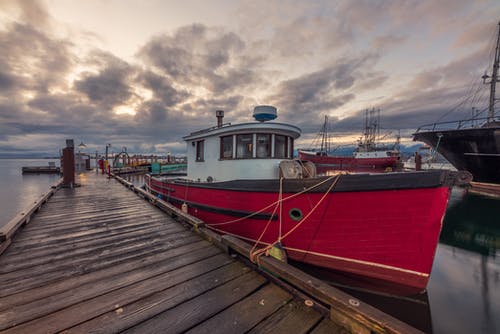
(242, 180)
(471, 144)
(368, 156)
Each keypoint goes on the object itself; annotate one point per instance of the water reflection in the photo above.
(473, 224)
(414, 310)
(19, 190)
(136, 179)
(465, 282)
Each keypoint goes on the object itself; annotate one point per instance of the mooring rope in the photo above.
(276, 202)
(255, 255)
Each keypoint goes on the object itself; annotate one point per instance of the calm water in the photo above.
(463, 294)
(18, 190)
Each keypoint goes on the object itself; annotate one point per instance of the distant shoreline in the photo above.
(28, 157)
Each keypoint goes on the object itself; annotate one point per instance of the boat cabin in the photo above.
(243, 151)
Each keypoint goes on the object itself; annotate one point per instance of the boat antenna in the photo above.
(493, 80)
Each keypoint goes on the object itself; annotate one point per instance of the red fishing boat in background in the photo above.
(241, 180)
(368, 156)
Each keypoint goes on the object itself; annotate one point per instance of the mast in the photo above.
(494, 80)
(324, 138)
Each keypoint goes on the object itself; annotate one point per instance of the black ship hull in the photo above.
(476, 150)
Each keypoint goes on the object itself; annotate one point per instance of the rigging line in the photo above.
(334, 182)
(475, 79)
(253, 253)
(274, 203)
(462, 102)
(265, 249)
(280, 197)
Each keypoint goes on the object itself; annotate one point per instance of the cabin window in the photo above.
(244, 146)
(226, 147)
(200, 150)
(280, 147)
(263, 145)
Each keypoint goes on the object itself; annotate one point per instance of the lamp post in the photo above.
(106, 162)
(81, 146)
(107, 147)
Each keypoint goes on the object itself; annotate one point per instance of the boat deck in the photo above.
(97, 259)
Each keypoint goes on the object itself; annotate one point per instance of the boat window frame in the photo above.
(200, 150)
(270, 143)
(248, 149)
(253, 142)
(286, 152)
(221, 156)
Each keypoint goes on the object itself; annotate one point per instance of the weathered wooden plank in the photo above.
(87, 211)
(113, 300)
(196, 310)
(146, 308)
(194, 251)
(100, 216)
(32, 279)
(93, 253)
(294, 317)
(4, 245)
(72, 244)
(82, 223)
(61, 253)
(79, 233)
(351, 313)
(246, 313)
(329, 327)
(21, 247)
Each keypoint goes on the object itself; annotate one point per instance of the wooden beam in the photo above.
(353, 314)
(22, 218)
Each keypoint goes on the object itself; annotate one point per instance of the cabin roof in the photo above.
(227, 128)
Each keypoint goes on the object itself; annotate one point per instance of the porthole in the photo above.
(295, 214)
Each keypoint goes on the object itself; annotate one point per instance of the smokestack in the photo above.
(220, 116)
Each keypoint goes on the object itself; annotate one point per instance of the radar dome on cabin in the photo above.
(264, 113)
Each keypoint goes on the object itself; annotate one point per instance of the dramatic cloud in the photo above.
(206, 58)
(110, 86)
(412, 59)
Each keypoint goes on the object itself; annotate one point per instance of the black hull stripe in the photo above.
(346, 183)
(206, 208)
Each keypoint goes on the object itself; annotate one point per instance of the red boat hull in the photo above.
(386, 234)
(352, 163)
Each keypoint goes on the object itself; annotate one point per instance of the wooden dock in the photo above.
(41, 170)
(98, 259)
(485, 189)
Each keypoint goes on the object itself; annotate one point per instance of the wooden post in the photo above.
(418, 161)
(68, 160)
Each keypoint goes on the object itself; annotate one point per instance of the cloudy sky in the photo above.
(144, 73)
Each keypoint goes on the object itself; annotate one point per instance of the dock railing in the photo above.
(23, 218)
(352, 314)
